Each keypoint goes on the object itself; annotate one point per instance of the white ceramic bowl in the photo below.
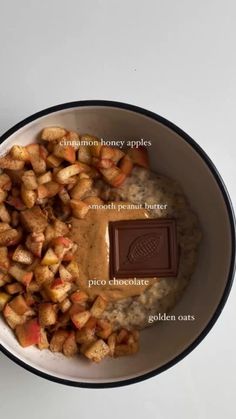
(175, 154)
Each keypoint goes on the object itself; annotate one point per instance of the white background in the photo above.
(176, 58)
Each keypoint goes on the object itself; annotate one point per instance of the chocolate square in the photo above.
(143, 248)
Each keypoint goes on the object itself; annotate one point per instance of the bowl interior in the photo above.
(174, 157)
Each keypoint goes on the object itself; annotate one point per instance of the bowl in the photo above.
(176, 155)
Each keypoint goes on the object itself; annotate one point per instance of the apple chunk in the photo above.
(139, 156)
(80, 319)
(47, 314)
(28, 333)
(12, 318)
(57, 290)
(97, 351)
(50, 258)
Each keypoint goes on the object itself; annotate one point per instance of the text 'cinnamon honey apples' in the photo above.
(53, 243)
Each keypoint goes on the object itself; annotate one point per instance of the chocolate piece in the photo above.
(143, 248)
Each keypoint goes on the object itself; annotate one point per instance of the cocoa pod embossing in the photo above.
(144, 247)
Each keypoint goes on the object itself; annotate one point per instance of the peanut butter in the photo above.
(91, 235)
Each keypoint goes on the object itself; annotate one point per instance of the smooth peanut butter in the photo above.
(91, 235)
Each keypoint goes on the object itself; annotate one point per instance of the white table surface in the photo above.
(176, 58)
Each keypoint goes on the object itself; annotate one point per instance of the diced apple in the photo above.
(64, 196)
(61, 228)
(28, 333)
(34, 246)
(5, 182)
(104, 328)
(50, 258)
(18, 152)
(94, 144)
(22, 255)
(33, 287)
(139, 156)
(76, 308)
(97, 351)
(61, 246)
(63, 321)
(85, 335)
(80, 319)
(53, 161)
(54, 268)
(65, 152)
(58, 339)
(64, 174)
(65, 275)
(84, 155)
(19, 305)
(115, 154)
(114, 176)
(91, 323)
(32, 266)
(3, 195)
(57, 291)
(126, 165)
(4, 259)
(7, 162)
(60, 251)
(82, 187)
(103, 163)
(37, 162)
(43, 274)
(43, 340)
(4, 298)
(12, 318)
(30, 298)
(53, 133)
(112, 343)
(126, 349)
(21, 275)
(14, 288)
(4, 213)
(107, 152)
(48, 190)
(45, 178)
(73, 138)
(65, 305)
(9, 237)
(50, 233)
(98, 306)
(4, 226)
(34, 220)
(79, 208)
(28, 197)
(62, 241)
(43, 152)
(73, 268)
(29, 180)
(79, 297)
(5, 278)
(47, 314)
(68, 257)
(70, 346)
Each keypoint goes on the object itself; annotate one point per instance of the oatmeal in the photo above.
(147, 188)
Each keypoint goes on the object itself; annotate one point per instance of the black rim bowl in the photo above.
(229, 207)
